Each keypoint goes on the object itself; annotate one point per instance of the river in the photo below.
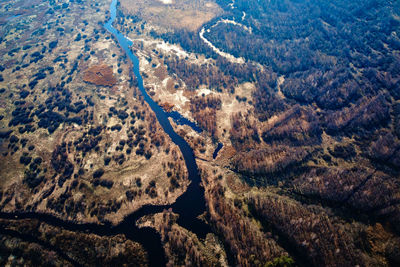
(192, 202)
(189, 205)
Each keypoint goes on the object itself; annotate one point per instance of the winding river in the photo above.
(189, 205)
(192, 203)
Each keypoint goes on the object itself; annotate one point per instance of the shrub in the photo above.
(98, 173)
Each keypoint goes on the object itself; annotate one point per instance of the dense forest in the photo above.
(326, 49)
(327, 117)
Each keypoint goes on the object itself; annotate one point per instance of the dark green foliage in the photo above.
(36, 56)
(23, 94)
(53, 44)
(174, 183)
(50, 120)
(107, 183)
(116, 127)
(21, 115)
(5, 134)
(107, 161)
(138, 182)
(61, 164)
(87, 143)
(95, 131)
(120, 159)
(396, 111)
(122, 114)
(25, 160)
(130, 194)
(32, 179)
(78, 37)
(59, 203)
(98, 173)
(14, 139)
(38, 160)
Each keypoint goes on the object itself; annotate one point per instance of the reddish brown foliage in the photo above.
(100, 75)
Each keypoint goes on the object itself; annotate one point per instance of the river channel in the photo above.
(189, 205)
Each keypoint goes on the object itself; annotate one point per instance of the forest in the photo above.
(325, 128)
(308, 128)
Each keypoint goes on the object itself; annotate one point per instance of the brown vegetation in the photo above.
(243, 133)
(204, 112)
(324, 241)
(178, 14)
(114, 250)
(297, 126)
(184, 248)
(270, 160)
(100, 75)
(247, 244)
(195, 75)
(167, 106)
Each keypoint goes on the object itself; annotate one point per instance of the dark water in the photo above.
(146, 236)
(189, 205)
(180, 120)
(192, 202)
(219, 147)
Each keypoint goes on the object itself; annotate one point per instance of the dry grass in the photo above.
(180, 14)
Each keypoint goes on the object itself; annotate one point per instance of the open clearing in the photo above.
(178, 14)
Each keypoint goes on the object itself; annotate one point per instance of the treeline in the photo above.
(195, 75)
(204, 112)
(247, 244)
(298, 126)
(321, 240)
(190, 41)
(268, 166)
(243, 133)
(321, 47)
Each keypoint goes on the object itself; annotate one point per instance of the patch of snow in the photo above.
(280, 81)
(166, 47)
(180, 101)
(204, 91)
(174, 48)
(165, 82)
(166, 2)
(228, 21)
(230, 57)
(232, 4)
